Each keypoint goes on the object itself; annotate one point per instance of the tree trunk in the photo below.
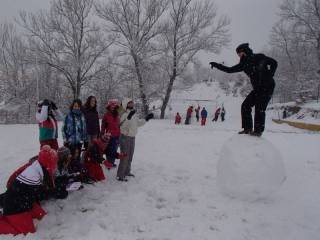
(145, 108)
(172, 79)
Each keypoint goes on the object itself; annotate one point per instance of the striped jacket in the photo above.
(32, 175)
(48, 126)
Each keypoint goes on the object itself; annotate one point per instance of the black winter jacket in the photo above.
(259, 68)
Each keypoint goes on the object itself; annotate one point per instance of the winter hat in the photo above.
(112, 103)
(125, 102)
(244, 47)
(48, 159)
(63, 152)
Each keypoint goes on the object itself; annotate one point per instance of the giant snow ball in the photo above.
(250, 168)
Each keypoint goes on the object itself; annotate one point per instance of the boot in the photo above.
(256, 134)
(122, 179)
(245, 131)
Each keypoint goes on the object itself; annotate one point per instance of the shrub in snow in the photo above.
(249, 168)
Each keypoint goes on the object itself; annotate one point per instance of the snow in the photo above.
(175, 194)
(250, 168)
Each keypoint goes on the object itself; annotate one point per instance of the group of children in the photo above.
(56, 171)
(203, 114)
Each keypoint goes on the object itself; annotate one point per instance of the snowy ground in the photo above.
(174, 194)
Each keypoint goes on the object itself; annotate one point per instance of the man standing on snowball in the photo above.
(260, 69)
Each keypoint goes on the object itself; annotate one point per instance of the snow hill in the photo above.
(208, 95)
(175, 194)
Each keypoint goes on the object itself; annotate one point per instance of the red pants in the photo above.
(53, 143)
(95, 171)
(203, 121)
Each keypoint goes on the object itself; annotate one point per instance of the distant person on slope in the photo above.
(260, 69)
(189, 115)
(197, 110)
(178, 119)
(204, 115)
(223, 114)
(216, 115)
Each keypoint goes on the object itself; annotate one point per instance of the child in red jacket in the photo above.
(93, 157)
(25, 189)
(178, 119)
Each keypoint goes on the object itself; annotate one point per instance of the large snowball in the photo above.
(250, 168)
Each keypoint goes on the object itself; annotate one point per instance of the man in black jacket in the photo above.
(260, 69)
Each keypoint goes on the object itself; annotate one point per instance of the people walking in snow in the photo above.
(197, 110)
(129, 129)
(223, 114)
(25, 188)
(177, 119)
(111, 124)
(204, 115)
(47, 116)
(260, 69)
(189, 115)
(74, 131)
(284, 113)
(216, 115)
(92, 118)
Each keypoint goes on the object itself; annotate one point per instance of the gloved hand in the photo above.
(131, 114)
(149, 116)
(214, 64)
(45, 102)
(53, 106)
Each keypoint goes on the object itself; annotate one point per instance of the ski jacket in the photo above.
(92, 121)
(258, 67)
(48, 126)
(204, 113)
(189, 112)
(178, 119)
(129, 127)
(74, 129)
(32, 175)
(111, 123)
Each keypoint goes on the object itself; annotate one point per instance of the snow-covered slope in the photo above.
(208, 95)
(174, 194)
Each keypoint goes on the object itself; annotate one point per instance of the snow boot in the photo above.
(256, 134)
(122, 179)
(245, 131)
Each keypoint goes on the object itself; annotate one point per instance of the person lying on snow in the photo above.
(93, 157)
(26, 187)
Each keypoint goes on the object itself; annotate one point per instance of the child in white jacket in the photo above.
(129, 124)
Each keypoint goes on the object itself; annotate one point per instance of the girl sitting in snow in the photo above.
(25, 188)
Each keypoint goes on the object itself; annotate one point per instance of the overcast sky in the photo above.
(251, 21)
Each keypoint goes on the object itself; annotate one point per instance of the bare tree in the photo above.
(295, 42)
(192, 26)
(14, 70)
(66, 39)
(304, 15)
(136, 23)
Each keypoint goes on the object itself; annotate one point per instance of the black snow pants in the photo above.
(258, 99)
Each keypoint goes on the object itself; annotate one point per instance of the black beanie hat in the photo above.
(244, 47)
